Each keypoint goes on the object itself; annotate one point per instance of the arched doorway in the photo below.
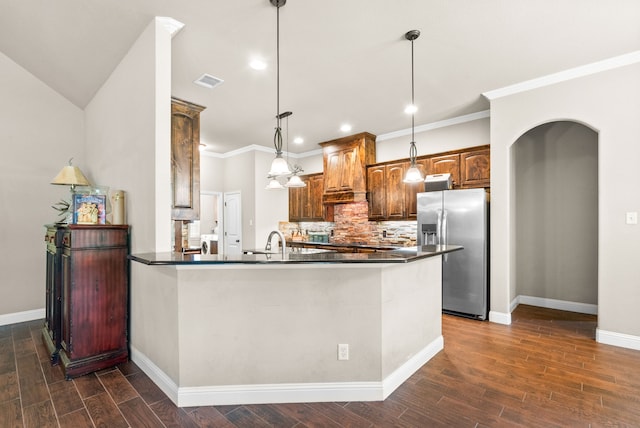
(556, 217)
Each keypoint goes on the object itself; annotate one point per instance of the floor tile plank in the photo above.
(104, 412)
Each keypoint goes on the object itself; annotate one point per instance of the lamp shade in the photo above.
(274, 185)
(413, 175)
(279, 167)
(70, 176)
(295, 181)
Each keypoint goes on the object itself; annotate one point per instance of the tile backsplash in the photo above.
(352, 226)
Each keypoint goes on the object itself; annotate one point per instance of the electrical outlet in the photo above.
(632, 217)
(343, 351)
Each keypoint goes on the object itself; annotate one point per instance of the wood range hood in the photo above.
(345, 163)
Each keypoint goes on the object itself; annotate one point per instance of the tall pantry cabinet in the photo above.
(88, 297)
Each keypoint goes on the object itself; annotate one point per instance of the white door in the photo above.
(232, 223)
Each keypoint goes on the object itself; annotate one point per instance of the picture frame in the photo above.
(89, 209)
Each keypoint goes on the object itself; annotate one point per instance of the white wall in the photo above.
(271, 206)
(608, 102)
(39, 131)
(556, 191)
(128, 137)
(436, 138)
(239, 176)
(211, 173)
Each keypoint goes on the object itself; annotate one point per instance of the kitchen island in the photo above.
(266, 328)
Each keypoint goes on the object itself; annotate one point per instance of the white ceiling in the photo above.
(340, 60)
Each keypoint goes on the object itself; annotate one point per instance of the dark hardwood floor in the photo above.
(544, 370)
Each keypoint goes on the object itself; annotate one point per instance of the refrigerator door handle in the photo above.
(439, 228)
(445, 240)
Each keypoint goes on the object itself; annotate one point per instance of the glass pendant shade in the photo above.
(274, 185)
(295, 181)
(413, 175)
(279, 166)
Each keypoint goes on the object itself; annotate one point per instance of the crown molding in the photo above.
(563, 76)
(435, 125)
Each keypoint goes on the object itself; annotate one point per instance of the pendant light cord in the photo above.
(277, 137)
(278, 64)
(413, 104)
(413, 152)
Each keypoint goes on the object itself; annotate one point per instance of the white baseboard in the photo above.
(287, 392)
(405, 371)
(618, 339)
(160, 378)
(602, 336)
(17, 317)
(500, 317)
(563, 305)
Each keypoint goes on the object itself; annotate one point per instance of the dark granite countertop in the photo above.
(340, 246)
(398, 255)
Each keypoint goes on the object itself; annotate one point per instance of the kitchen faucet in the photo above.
(284, 243)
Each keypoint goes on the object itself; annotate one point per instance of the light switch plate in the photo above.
(632, 217)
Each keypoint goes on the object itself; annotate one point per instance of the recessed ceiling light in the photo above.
(258, 64)
(208, 81)
(345, 127)
(410, 109)
(298, 140)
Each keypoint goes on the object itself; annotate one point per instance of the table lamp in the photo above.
(71, 176)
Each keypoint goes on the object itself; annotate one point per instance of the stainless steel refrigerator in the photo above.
(459, 217)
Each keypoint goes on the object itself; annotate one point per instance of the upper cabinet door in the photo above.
(446, 164)
(377, 192)
(396, 188)
(475, 169)
(316, 187)
(185, 160)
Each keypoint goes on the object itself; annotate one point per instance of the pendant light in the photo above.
(413, 174)
(279, 166)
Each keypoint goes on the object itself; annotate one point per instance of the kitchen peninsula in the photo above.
(266, 328)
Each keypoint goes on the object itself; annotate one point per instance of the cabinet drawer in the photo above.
(95, 236)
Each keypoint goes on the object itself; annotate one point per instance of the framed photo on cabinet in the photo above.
(89, 209)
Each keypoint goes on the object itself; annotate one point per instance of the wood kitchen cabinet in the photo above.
(390, 198)
(345, 163)
(185, 160)
(449, 163)
(377, 196)
(305, 203)
(395, 190)
(475, 168)
(53, 290)
(94, 298)
(316, 187)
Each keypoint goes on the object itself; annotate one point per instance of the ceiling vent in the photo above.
(208, 81)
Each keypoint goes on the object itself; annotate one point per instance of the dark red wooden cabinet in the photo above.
(94, 298)
(53, 282)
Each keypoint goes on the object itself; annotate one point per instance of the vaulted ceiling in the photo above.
(340, 60)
